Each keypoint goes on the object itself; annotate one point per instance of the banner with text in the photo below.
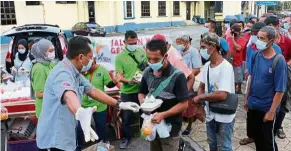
(105, 49)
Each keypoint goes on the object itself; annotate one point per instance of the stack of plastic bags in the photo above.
(15, 91)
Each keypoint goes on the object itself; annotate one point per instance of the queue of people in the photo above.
(71, 91)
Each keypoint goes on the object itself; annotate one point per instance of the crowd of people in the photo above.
(70, 92)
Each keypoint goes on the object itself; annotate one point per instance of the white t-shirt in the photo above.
(221, 79)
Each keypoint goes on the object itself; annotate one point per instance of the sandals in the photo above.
(281, 134)
(246, 141)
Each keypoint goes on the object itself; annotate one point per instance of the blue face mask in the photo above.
(205, 30)
(156, 66)
(204, 54)
(86, 68)
(180, 47)
(131, 47)
(254, 39)
(21, 51)
(286, 26)
(261, 45)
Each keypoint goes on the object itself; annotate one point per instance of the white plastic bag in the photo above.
(148, 130)
(164, 129)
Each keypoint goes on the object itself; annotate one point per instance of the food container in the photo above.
(138, 76)
(150, 104)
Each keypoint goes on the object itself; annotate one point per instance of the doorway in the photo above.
(188, 11)
(91, 10)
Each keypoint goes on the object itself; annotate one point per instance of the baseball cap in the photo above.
(257, 26)
(159, 37)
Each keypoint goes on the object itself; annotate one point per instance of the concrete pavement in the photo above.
(199, 132)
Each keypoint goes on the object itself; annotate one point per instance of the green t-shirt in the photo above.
(100, 78)
(125, 64)
(39, 74)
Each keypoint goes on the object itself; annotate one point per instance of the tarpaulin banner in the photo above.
(105, 49)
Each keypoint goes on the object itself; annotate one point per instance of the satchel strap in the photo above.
(163, 84)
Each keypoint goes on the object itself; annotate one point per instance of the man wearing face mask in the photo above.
(251, 46)
(247, 29)
(219, 73)
(238, 51)
(275, 22)
(251, 51)
(62, 100)
(127, 63)
(193, 61)
(174, 95)
(210, 26)
(285, 44)
(265, 89)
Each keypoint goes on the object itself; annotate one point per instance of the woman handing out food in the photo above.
(22, 63)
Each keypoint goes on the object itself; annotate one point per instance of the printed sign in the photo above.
(105, 49)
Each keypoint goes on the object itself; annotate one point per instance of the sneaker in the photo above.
(281, 134)
(187, 132)
(124, 143)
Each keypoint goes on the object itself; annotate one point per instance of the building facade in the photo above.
(116, 16)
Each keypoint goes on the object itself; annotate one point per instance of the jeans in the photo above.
(261, 132)
(127, 115)
(219, 135)
(100, 129)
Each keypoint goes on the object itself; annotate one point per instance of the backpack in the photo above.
(286, 100)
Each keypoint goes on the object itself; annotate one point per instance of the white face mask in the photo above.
(132, 47)
(261, 45)
(51, 56)
(21, 51)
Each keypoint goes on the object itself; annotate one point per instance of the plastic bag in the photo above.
(103, 146)
(147, 125)
(164, 129)
(148, 130)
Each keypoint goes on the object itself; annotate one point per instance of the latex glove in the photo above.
(93, 135)
(84, 116)
(13, 70)
(129, 106)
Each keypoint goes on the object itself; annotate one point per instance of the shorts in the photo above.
(238, 74)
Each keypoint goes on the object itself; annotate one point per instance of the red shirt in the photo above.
(239, 55)
(247, 35)
(285, 45)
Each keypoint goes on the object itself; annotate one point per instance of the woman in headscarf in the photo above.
(22, 63)
(44, 53)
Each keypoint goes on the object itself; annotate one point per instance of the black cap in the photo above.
(233, 21)
(257, 26)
